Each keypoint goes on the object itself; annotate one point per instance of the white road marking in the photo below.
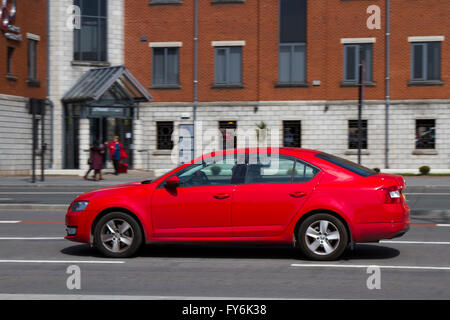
(31, 238)
(124, 297)
(414, 242)
(442, 225)
(366, 266)
(65, 261)
(8, 222)
(5, 199)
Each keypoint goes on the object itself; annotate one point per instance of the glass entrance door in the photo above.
(105, 129)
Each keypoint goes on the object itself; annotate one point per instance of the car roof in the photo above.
(282, 150)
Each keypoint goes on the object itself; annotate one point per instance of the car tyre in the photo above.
(117, 235)
(322, 237)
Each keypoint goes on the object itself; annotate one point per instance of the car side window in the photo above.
(279, 169)
(303, 172)
(211, 173)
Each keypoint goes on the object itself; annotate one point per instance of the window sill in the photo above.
(167, 2)
(356, 85)
(425, 152)
(425, 83)
(352, 152)
(165, 87)
(90, 63)
(11, 77)
(227, 86)
(227, 1)
(292, 85)
(33, 83)
(162, 152)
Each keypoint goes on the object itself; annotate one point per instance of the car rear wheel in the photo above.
(117, 235)
(322, 237)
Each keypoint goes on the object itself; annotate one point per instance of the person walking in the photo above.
(95, 161)
(117, 153)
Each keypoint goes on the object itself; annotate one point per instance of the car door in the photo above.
(271, 195)
(200, 206)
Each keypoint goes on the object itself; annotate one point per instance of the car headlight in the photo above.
(79, 206)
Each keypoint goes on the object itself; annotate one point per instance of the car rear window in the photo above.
(346, 164)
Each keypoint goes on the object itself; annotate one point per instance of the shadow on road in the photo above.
(361, 252)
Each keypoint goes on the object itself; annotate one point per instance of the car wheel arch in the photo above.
(115, 209)
(328, 211)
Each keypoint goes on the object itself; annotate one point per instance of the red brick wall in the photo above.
(256, 22)
(31, 18)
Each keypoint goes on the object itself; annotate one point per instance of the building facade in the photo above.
(288, 66)
(23, 86)
(292, 66)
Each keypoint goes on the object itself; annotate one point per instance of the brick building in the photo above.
(290, 66)
(23, 82)
(293, 65)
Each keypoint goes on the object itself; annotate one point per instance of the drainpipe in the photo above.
(194, 116)
(387, 85)
(49, 102)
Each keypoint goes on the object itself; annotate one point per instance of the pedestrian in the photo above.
(95, 161)
(117, 153)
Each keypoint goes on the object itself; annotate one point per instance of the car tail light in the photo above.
(392, 194)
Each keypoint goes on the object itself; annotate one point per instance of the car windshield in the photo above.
(346, 164)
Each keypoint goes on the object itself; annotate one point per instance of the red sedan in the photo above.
(319, 202)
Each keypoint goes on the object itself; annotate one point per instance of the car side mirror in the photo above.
(172, 182)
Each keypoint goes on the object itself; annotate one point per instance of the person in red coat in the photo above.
(116, 152)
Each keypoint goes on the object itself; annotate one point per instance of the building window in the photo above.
(292, 134)
(32, 60)
(425, 61)
(292, 48)
(164, 135)
(228, 131)
(90, 40)
(292, 63)
(354, 54)
(425, 134)
(228, 65)
(353, 134)
(9, 68)
(165, 66)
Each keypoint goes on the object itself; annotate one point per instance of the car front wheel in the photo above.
(117, 235)
(322, 237)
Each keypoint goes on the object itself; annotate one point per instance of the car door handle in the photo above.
(297, 194)
(222, 196)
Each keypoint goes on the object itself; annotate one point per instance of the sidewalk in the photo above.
(427, 181)
(75, 181)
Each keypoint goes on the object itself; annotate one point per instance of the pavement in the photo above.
(35, 258)
(75, 181)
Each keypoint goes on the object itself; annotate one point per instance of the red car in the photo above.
(319, 202)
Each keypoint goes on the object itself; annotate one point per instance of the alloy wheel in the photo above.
(322, 237)
(117, 235)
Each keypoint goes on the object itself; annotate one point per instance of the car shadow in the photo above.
(232, 251)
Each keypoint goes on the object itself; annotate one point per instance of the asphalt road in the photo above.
(34, 259)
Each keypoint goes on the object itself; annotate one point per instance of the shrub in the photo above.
(424, 170)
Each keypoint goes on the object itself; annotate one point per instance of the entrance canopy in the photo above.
(109, 84)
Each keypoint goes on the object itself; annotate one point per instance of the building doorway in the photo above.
(105, 129)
